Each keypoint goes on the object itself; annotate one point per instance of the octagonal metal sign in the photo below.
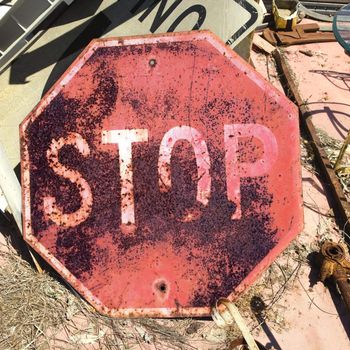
(160, 173)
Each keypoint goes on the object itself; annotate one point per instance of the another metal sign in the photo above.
(20, 25)
(341, 27)
(231, 20)
(160, 173)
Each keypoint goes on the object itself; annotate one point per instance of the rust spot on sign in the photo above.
(160, 173)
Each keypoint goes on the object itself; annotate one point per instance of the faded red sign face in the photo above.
(161, 173)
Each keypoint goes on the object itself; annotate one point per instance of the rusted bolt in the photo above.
(152, 62)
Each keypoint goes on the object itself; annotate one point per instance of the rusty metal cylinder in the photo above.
(342, 281)
(336, 265)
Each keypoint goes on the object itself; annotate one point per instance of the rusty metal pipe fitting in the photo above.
(335, 265)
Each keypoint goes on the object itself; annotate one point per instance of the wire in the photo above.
(312, 301)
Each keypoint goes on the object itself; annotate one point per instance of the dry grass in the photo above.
(332, 148)
(29, 303)
(38, 312)
(307, 157)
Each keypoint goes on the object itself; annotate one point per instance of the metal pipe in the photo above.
(10, 187)
(335, 265)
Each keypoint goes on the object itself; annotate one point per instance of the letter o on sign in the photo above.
(156, 189)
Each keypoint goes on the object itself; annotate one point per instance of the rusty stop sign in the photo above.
(160, 173)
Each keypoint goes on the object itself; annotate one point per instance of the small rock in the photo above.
(307, 52)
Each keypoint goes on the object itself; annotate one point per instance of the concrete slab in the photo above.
(324, 84)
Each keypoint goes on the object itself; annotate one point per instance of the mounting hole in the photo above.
(162, 287)
(152, 62)
(334, 251)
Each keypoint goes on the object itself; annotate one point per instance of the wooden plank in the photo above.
(263, 45)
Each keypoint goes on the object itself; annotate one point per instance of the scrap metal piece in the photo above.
(159, 173)
(340, 205)
(313, 14)
(285, 14)
(10, 188)
(325, 8)
(341, 27)
(301, 34)
(335, 265)
(23, 24)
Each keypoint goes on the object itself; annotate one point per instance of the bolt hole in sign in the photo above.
(160, 173)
